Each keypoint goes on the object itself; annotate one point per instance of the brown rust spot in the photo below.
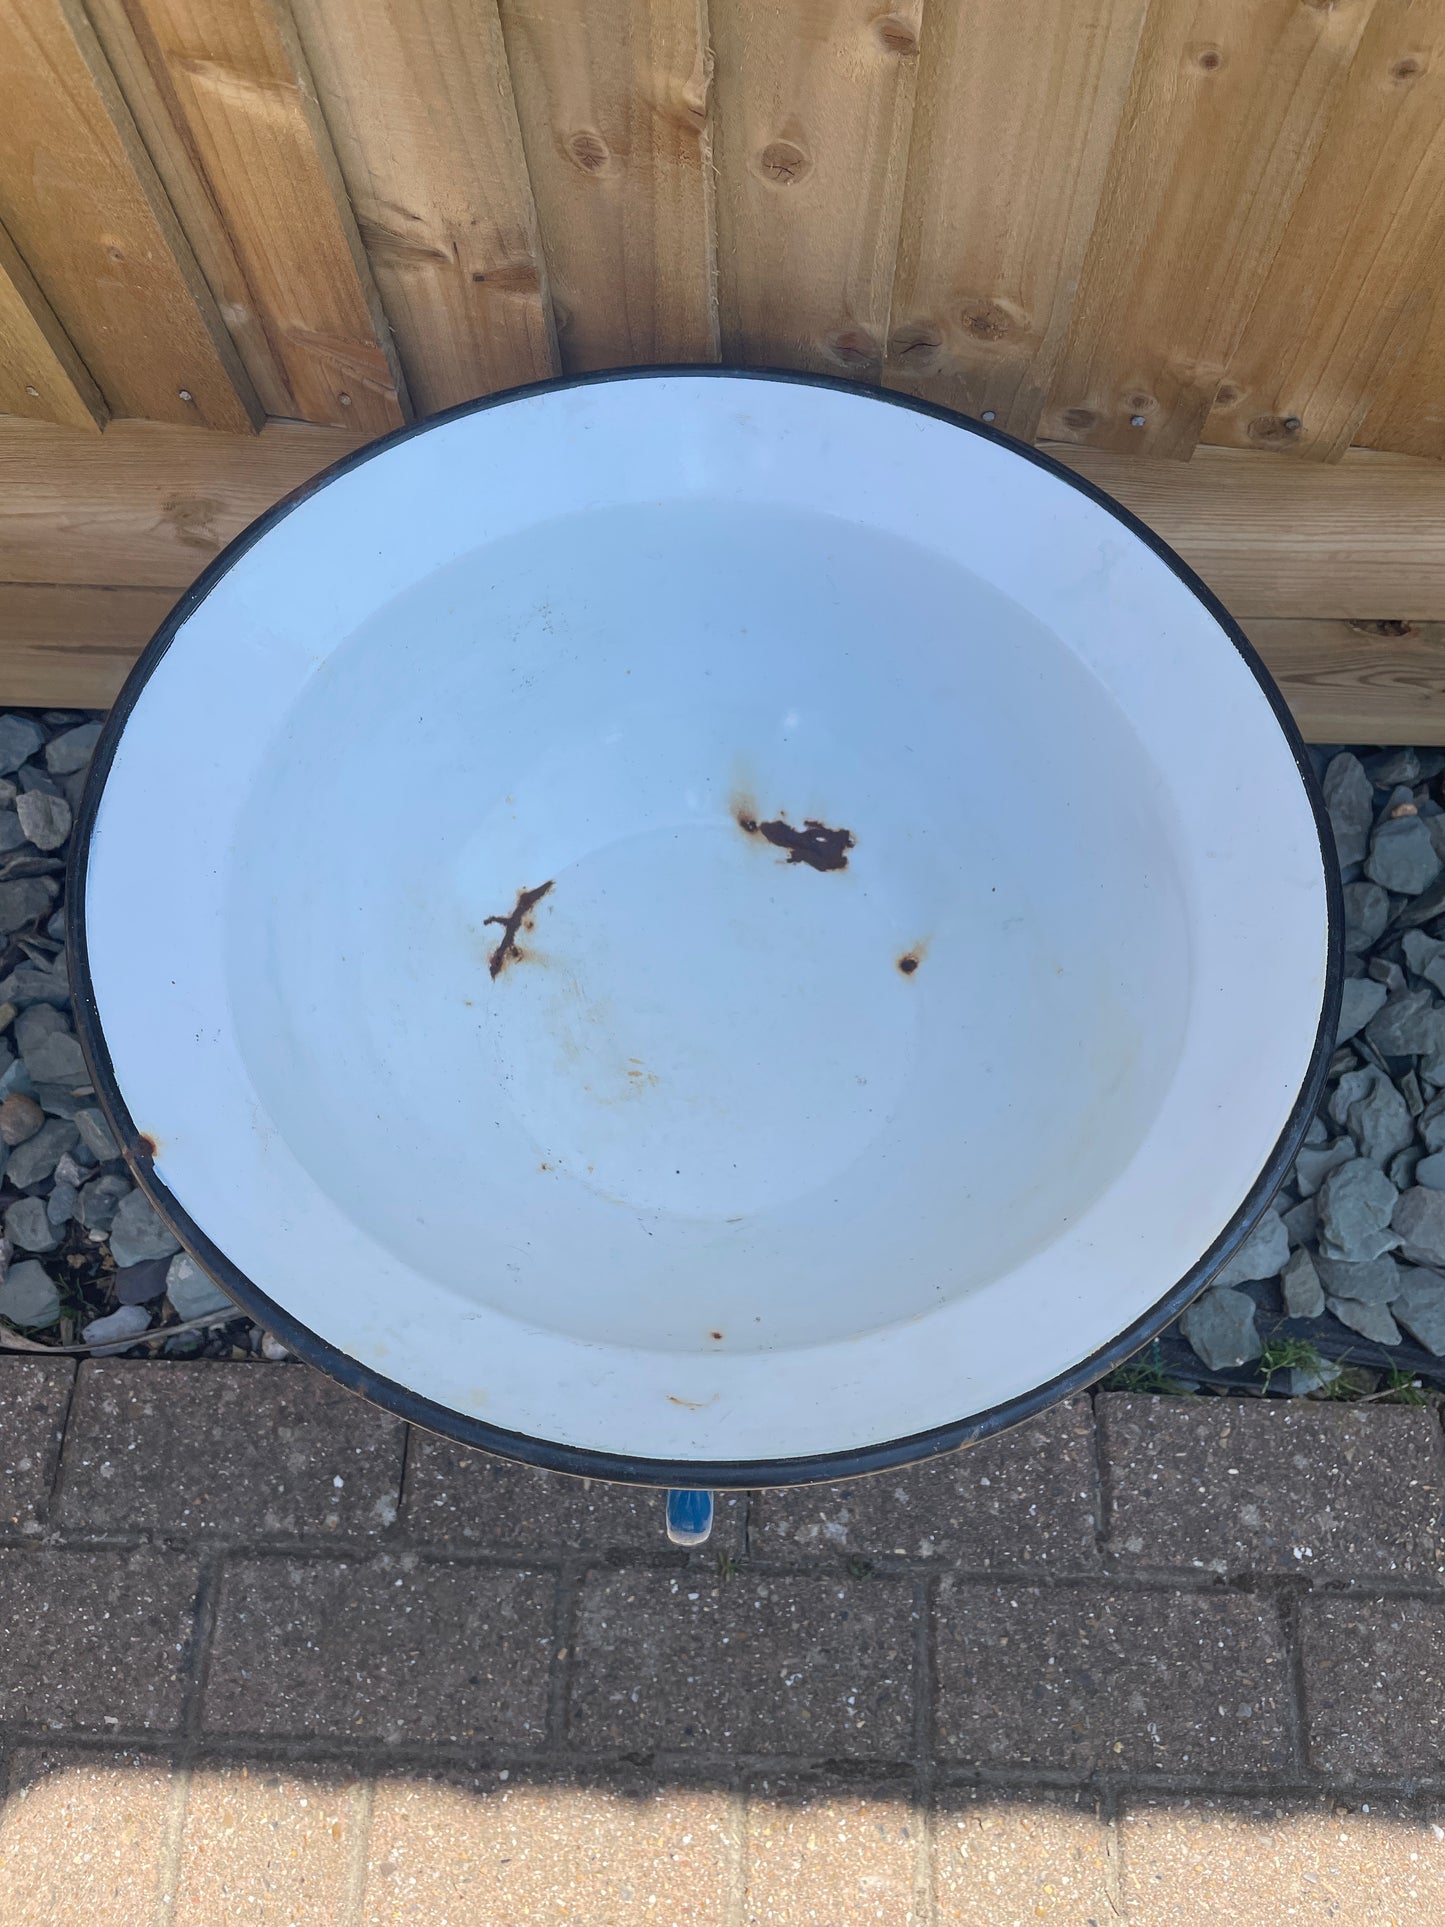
(714, 1334)
(908, 965)
(508, 948)
(815, 844)
(146, 1146)
(692, 1404)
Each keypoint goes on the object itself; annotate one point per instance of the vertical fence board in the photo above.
(814, 105)
(1018, 105)
(247, 109)
(90, 218)
(613, 101)
(1227, 107)
(419, 102)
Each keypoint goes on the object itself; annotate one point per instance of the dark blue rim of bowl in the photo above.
(628, 1468)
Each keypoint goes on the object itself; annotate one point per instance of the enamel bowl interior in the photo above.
(703, 919)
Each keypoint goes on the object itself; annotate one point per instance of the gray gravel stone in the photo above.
(1432, 1125)
(1264, 1254)
(136, 1233)
(28, 1226)
(1314, 1164)
(28, 1297)
(57, 1060)
(1367, 911)
(1355, 1205)
(1419, 1218)
(1375, 1283)
(141, 1284)
(19, 740)
(100, 1199)
(1350, 800)
(34, 1161)
(95, 1135)
(1420, 1308)
(1430, 1171)
(1220, 1326)
(1424, 955)
(1401, 1168)
(61, 1203)
(1391, 767)
(21, 902)
(1317, 1133)
(1361, 1000)
(1300, 1283)
(45, 819)
(20, 1117)
(191, 1292)
(1411, 1024)
(1402, 856)
(1376, 1115)
(30, 985)
(125, 1325)
(72, 751)
(11, 834)
(1301, 1222)
(1384, 970)
(1369, 1320)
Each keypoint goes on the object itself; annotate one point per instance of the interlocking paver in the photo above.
(820, 1852)
(506, 1848)
(266, 1844)
(1024, 1499)
(83, 1839)
(1237, 1863)
(226, 1450)
(795, 1664)
(458, 1497)
(1277, 1485)
(1375, 1685)
(95, 1639)
(1087, 1678)
(34, 1393)
(394, 1649)
(1001, 1858)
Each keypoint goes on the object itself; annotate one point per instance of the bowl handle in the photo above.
(689, 1517)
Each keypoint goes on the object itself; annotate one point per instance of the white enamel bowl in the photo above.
(746, 1150)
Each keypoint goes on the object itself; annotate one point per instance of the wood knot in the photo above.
(783, 163)
(1209, 60)
(1274, 431)
(1390, 628)
(917, 345)
(897, 35)
(987, 322)
(589, 150)
(1079, 420)
(1227, 395)
(854, 348)
(1407, 67)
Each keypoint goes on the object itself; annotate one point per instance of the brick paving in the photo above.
(271, 1657)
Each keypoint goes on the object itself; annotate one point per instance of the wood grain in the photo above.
(246, 107)
(41, 375)
(1018, 105)
(419, 102)
(143, 81)
(613, 101)
(1359, 682)
(814, 106)
(1227, 107)
(85, 208)
(1343, 304)
(73, 647)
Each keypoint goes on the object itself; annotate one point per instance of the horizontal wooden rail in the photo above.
(1337, 571)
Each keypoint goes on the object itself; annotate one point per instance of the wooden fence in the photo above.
(1200, 239)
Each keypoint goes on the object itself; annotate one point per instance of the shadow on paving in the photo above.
(273, 1656)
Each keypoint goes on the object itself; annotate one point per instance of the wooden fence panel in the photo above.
(814, 106)
(613, 101)
(418, 98)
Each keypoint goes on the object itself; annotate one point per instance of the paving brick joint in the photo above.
(273, 1656)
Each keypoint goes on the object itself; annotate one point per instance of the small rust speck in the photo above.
(908, 965)
(527, 900)
(146, 1146)
(815, 844)
(714, 1334)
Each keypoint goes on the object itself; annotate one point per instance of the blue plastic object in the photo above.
(689, 1517)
